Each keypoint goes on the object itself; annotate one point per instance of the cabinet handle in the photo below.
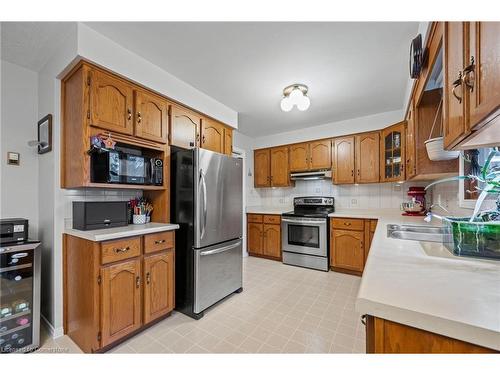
(137, 281)
(139, 118)
(121, 250)
(158, 242)
(148, 278)
(203, 140)
(456, 83)
(352, 172)
(469, 83)
(129, 114)
(347, 223)
(358, 172)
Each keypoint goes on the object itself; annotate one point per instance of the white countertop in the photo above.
(423, 285)
(121, 232)
(270, 210)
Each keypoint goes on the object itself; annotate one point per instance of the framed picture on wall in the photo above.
(45, 134)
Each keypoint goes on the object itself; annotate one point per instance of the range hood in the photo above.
(308, 176)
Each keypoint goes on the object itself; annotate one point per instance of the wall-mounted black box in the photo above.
(99, 215)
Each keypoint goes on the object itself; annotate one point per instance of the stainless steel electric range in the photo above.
(305, 231)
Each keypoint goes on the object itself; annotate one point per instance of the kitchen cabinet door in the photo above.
(299, 157)
(184, 128)
(159, 285)
(121, 300)
(262, 168)
(280, 177)
(347, 249)
(110, 103)
(367, 158)
(228, 141)
(411, 154)
(272, 240)
(393, 153)
(482, 73)
(151, 117)
(320, 154)
(212, 136)
(454, 125)
(343, 160)
(255, 238)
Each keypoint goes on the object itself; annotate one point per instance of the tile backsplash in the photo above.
(372, 196)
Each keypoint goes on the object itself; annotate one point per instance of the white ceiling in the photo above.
(352, 69)
(31, 44)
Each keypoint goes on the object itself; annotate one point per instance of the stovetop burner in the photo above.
(312, 207)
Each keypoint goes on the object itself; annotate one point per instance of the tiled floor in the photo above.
(283, 309)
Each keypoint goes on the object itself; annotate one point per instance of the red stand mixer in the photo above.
(415, 207)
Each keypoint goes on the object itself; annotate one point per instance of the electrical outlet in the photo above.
(397, 187)
(354, 202)
(282, 200)
(317, 190)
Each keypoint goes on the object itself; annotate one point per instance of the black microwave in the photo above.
(118, 167)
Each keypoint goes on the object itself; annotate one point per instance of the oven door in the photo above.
(304, 235)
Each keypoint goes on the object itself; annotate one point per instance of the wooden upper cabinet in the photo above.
(299, 157)
(393, 152)
(272, 240)
(454, 100)
(212, 135)
(343, 160)
(347, 249)
(320, 154)
(121, 300)
(111, 101)
(280, 176)
(159, 285)
(255, 236)
(184, 128)
(482, 71)
(367, 158)
(151, 116)
(262, 168)
(228, 141)
(411, 155)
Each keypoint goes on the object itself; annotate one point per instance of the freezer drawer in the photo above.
(218, 273)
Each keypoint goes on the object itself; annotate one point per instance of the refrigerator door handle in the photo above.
(220, 250)
(204, 188)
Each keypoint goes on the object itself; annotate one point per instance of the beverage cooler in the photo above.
(19, 296)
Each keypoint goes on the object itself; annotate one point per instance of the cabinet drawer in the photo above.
(272, 219)
(254, 218)
(158, 241)
(350, 224)
(115, 250)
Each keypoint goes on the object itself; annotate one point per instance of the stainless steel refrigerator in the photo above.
(206, 202)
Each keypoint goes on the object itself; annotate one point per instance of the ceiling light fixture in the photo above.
(295, 95)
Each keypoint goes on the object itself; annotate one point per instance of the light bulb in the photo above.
(295, 96)
(286, 104)
(304, 103)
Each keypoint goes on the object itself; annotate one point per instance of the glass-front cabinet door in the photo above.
(393, 153)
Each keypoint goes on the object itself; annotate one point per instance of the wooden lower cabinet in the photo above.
(158, 285)
(385, 336)
(272, 240)
(121, 300)
(350, 241)
(264, 236)
(347, 249)
(108, 299)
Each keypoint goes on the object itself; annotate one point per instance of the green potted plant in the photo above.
(479, 234)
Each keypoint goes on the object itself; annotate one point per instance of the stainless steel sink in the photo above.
(416, 232)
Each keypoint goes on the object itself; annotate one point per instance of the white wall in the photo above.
(19, 116)
(101, 50)
(333, 129)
